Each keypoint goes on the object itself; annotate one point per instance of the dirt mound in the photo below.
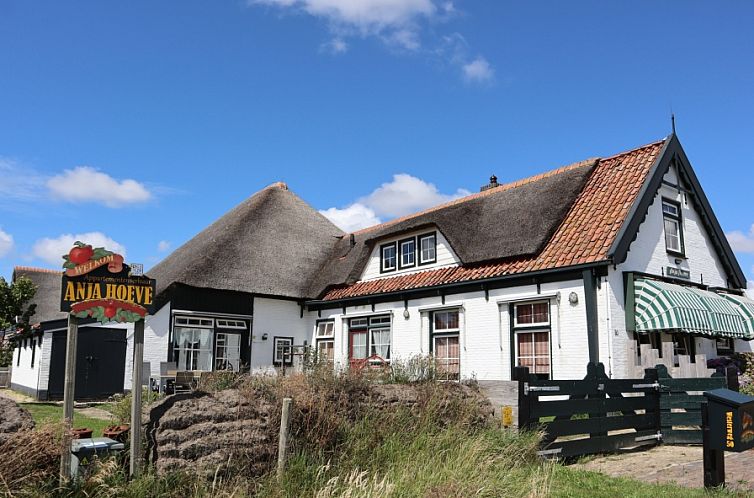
(238, 428)
(13, 419)
(204, 431)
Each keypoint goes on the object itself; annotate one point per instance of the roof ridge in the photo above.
(636, 149)
(484, 193)
(36, 269)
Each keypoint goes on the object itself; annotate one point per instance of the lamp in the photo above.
(265, 336)
(406, 314)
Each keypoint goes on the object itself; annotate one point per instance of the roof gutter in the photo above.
(457, 287)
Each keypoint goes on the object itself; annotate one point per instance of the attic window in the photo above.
(671, 214)
(427, 249)
(388, 259)
(408, 253)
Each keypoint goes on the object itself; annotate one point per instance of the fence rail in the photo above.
(601, 415)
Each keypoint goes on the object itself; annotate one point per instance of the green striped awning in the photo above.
(745, 306)
(661, 306)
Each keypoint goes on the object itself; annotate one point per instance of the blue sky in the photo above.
(139, 123)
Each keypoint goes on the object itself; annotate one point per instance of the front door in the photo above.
(227, 351)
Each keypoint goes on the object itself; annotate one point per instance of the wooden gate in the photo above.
(601, 415)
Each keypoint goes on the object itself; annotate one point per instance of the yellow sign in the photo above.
(507, 416)
(729, 441)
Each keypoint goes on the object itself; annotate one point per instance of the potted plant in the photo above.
(117, 432)
(81, 433)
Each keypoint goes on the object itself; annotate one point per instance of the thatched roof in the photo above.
(272, 243)
(511, 220)
(47, 297)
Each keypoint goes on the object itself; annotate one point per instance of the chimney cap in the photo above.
(493, 183)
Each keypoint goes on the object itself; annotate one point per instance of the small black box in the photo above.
(731, 420)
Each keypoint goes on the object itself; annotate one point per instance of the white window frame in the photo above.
(223, 323)
(276, 353)
(328, 324)
(372, 349)
(194, 322)
(446, 333)
(420, 249)
(412, 253)
(672, 215)
(533, 324)
(193, 352)
(532, 331)
(383, 260)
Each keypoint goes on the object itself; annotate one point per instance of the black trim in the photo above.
(673, 152)
(592, 320)
(401, 266)
(419, 248)
(678, 219)
(382, 257)
(287, 363)
(529, 278)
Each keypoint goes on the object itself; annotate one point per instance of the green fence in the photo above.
(598, 414)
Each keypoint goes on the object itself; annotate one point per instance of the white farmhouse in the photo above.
(585, 263)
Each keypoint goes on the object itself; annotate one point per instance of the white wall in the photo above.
(275, 317)
(485, 335)
(647, 254)
(23, 374)
(156, 330)
(445, 256)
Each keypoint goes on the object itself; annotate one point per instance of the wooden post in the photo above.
(731, 378)
(136, 374)
(69, 390)
(521, 374)
(283, 441)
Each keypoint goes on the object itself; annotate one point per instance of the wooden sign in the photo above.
(674, 272)
(98, 284)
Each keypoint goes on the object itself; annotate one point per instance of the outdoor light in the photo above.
(265, 336)
(406, 314)
(573, 298)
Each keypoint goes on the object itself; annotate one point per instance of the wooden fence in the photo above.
(602, 415)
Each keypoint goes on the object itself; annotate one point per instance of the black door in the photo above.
(100, 363)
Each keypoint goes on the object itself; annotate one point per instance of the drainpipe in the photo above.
(592, 325)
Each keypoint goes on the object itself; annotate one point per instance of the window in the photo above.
(282, 352)
(227, 351)
(532, 314)
(427, 249)
(684, 345)
(533, 351)
(408, 253)
(725, 346)
(325, 341)
(671, 214)
(446, 344)
(192, 348)
(369, 337)
(387, 262)
(231, 324)
(33, 350)
(194, 322)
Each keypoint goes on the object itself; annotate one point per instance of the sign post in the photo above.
(98, 286)
(135, 469)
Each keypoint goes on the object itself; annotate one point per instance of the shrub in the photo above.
(121, 409)
(29, 457)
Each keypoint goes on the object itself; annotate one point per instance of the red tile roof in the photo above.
(585, 235)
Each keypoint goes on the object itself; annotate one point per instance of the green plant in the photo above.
(121, 409)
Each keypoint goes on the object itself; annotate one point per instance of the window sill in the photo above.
(676, 254)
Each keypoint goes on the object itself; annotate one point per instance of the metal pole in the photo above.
(69, 390)
(136, 374)
(283, 441)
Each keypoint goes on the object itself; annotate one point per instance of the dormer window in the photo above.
(408, 253)
(671, 214)
(388, 259)
(427, 249)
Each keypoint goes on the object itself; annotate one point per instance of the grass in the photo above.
(44, 413)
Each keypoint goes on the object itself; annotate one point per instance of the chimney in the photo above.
(493, 183)
(352, 240)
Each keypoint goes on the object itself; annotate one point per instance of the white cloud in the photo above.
(6, 243)
(405, 194)
(86, 184)
(407, 26)
(750, 289)
(19, 183)
(52, 250)
(351, 218)
(741, 242)
(478, 71)
(163, 245)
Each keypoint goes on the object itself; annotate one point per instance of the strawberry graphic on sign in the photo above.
(82, 259)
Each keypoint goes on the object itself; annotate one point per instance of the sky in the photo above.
(136, 124)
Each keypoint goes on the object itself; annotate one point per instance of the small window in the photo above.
(33, 351)
(282, 353)
(446, 321)
(671, 213)
(379, 320)
(326, 350)
(380, 342)
(358, 323)
(532, 314)
(408, 253)
(205, 323)
(427, 249)
(231, 324)
(533, 351)
(684, 345)
(725, 346)
(325, 329)
(388, 259)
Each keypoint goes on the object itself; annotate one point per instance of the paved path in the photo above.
(15, 396)
(679, 464)
(89, 411)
